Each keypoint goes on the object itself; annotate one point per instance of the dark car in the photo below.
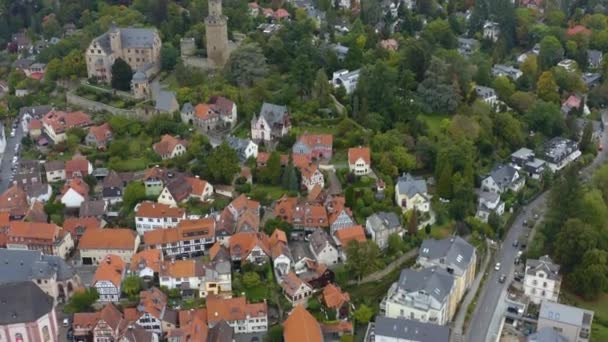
(502, 278)
(515, 243)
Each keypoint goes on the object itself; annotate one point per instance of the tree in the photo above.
(321, 90)
(363, 314)
(494, 221)
(251, 280)
(246, 65)
(271, 173)
(82, 301)
(438, 91)
(134, 193)
(546, 118)
(586, 144)
(168, 56)
(444, 182)
(121, 75)
(572, 241)
(522, 101)
(551, 52)
(131, 285)
(221, 165)
(504, 87)
(546, 88)
(590, 277)
(395, 244)
(275, 334)
(289, 179)
(363, 258)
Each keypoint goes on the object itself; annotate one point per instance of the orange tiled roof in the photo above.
(346, 235)
(181, 232)
(101, 132)
(278, 236)
(78, 185)
(333, 297)
(156, 172)
(291, 283)
(167, 144)
(71, 224)
(35, 124)
(300, 160)
(197, 185)
(241, 244)
(61, 121)
(301, 326)
(182, 268)
(158, 210)
(14, 200)
(77, 164)
(152, 301)
(310, 214)
(578, 29)
(355, 153)
(202, 111)
(317, 139)
(232, 309)
(152, 258)
(33, 230)
(111, 268)
(115, 238)
(308, 171)
(85, 320)
(284, 208)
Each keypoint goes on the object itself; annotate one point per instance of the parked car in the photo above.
(497, 266)
(502, 278)
(515, 243)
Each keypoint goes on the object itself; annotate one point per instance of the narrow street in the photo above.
(9, 153)
(485, 322)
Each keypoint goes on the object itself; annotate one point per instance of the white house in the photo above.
(381, 225)
(322, 248)
(503, 178)
(542, 280)
(272, 123)
(181, 189)
(311, 177)
(423, 295)
(568, 64)
(169, 147)
(282, 259)
(245, 148)
(188, 238)
(411, 193)
(508, 71)
(151, 215)
(491, 30)
(295, 290)
(359, 161)
(346, 79)
(487, 95)
(74, 193)
(107, 279)
(489, 202)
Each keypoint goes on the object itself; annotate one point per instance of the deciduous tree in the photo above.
(121, 75)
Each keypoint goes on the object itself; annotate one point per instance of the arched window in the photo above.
(18, 337)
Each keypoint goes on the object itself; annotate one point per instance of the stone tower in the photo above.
(217, 34)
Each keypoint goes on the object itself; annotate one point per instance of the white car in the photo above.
(12, 133)
(497, 266)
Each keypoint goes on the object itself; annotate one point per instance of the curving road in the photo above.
(485, 322)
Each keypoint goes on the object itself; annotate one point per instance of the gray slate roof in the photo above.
(433, 280)
(319, 239)
(484, 92)
(24, 265)
(410, 330)
(594, 56)
(502, 175)
(384, 220)
(455, 251)
(139, 76)
(410, 185)
(130, 38)
(23, 302)
(239, 145)
(544, 263)
(165, 101)
(565, 313)
(273, 114)
(547, 334)
(35, 110)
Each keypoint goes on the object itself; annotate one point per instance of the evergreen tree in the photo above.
(412, 225)
(121, 75)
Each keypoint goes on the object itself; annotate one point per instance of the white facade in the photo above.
(150, 323)
(347, 79)
(491, 30)
(315, 179)
(401, 305)
(418, 202)
(45, 327)
(108, 292)
(55, 176)
(72, 199)
(185, 246)
(541, 280)
(360, 167)
(328, 255)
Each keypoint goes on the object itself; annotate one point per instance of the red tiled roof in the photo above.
(578, 29)
(158, 210)
(62, 121)
(241, 244)
(204, 227)
(232, 309)
(110, 268)
(167, 144)
(152, 258)
(72, 224)
(333, 297)
(101, 133)
(33, 230)
(301, 326)
(77, 164)
(109, 239)
(355, 153)
(78, 185)
(354, 233)
(316, 139)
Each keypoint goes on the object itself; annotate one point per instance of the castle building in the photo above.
(139, 47)
(217, 34)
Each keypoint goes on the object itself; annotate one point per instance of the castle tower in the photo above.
(217, 34)
(115, 40)
(140, 86)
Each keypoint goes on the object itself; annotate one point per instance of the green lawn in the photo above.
(599, 330)
(443, 231)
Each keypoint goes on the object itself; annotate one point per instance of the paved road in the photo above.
(7, 159)
(491, 305)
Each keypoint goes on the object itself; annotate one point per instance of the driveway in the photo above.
(335, 187)
(491, 305)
